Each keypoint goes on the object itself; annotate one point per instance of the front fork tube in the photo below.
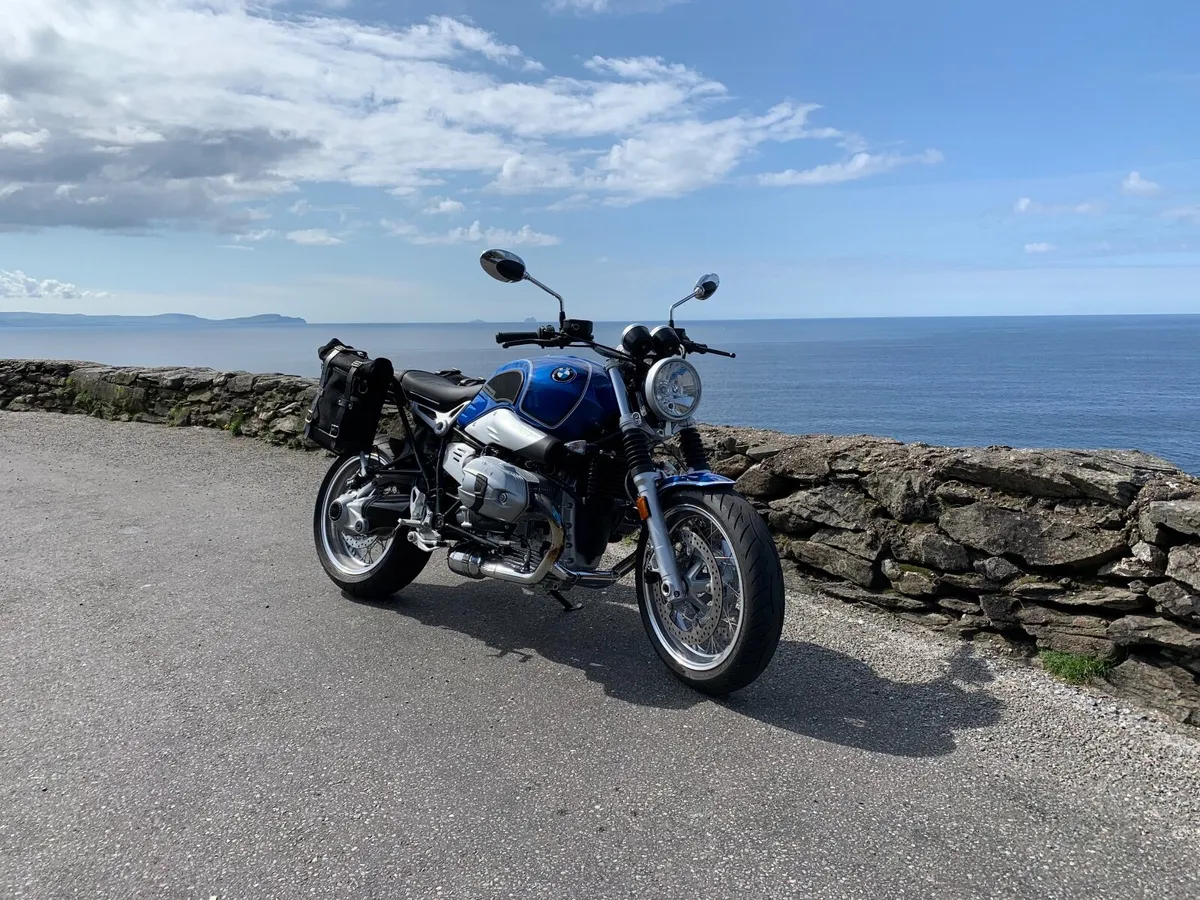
(660, 539)
(646, 482)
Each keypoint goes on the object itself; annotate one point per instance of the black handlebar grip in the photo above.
(503, 337)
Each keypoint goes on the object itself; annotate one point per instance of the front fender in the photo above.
(709, 480)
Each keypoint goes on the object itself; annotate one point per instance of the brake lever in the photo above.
(695, 347)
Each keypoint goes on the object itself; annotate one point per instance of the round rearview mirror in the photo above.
(707, 286)
(503, 266)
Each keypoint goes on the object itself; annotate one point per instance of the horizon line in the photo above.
(525, 321)
(800, 318)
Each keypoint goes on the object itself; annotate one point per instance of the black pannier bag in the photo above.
(350, 396)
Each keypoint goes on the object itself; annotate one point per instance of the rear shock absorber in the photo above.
(693, 449)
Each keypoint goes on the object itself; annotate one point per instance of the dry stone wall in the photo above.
(1094, 553)
(271, 407)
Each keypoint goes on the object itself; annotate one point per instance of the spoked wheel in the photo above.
(723, 634)
(364, 565)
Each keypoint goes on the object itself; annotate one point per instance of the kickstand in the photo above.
(568, 605)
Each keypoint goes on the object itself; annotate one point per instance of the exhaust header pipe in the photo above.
(599, 579)
(474, 565)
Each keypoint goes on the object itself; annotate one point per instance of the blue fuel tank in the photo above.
(564, 396)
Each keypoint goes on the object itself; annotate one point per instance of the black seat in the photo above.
(434, 390)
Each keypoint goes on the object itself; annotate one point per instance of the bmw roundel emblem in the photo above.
(563, 374)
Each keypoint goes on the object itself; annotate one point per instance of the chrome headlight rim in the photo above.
(652, 401)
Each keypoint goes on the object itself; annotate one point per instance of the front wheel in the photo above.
(370, 566)
(721, 637)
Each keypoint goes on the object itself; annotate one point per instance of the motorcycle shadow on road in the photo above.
(808, 689)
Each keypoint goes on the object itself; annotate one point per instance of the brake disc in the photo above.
(682, 620)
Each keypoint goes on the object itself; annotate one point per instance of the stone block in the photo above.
(758, 483)
(831, 505)
(1035, 537)
(1180, 516)
(1160, 685)
(1152, 630)
(926, 546)
(913, 581)
(1183, 564)
(1172, 599)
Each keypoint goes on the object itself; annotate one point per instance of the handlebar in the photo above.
(549, 337)
(505, 337)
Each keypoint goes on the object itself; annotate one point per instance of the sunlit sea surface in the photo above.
(1077, 381)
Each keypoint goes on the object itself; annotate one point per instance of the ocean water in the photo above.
(1130, 382)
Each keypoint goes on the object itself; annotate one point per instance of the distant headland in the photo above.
(166, 320)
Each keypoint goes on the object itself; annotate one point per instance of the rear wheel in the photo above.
(724, 633)
(371, 566)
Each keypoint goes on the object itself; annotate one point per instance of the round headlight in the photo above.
(673, 389)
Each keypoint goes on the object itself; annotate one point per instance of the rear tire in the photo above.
(369, 578)
(740, 547)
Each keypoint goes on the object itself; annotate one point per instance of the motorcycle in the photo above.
(533, 475)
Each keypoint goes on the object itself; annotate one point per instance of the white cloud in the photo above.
(133, 114)
(651, 69)
(26, 140)
(1134, 183)
(1040, 247)
(860, 165)
(1089, 207)
(474, 234)
(662, 159)
(593, 7)
(443, 206)
(235, 247)
(313, 237)
(574, 201)
(302, 208)
(15, 284)
(1184, 214)
(260, 235)
(398, 228)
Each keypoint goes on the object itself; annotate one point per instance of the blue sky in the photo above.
(348, 161)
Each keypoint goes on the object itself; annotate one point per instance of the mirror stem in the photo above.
(562, 312)
(691, 296)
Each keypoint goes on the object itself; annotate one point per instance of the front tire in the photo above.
(724, 637)
(370, 567)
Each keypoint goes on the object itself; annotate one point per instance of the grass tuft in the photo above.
(1075, 668)
(236, 423)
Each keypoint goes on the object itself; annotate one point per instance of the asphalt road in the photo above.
(189, 709)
